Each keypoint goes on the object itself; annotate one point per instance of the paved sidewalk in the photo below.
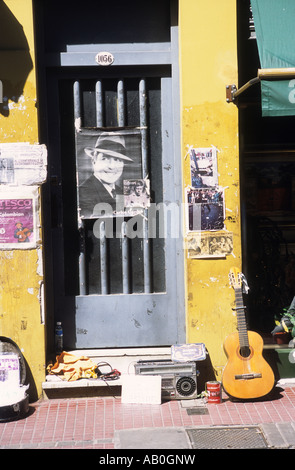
(106, 423)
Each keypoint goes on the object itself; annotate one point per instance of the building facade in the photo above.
(152, 83)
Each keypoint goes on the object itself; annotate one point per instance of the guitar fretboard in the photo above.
(241, 319)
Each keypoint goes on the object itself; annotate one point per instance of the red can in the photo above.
(214, 392)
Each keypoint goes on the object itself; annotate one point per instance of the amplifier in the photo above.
(179, 379)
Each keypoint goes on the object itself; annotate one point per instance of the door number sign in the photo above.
(104, 58)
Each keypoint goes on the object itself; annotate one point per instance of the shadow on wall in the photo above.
(15, 59)
(15, 66)
(206, 371)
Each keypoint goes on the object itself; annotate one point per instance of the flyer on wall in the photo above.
(203, 166)
(22, 164)
(205, 209)
(209, 245)
(18, 225)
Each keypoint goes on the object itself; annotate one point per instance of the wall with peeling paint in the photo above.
(208, 62)
(21, 275)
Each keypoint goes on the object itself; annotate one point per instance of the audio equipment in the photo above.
(179, 379)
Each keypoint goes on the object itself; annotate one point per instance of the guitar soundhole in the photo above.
(245, 351)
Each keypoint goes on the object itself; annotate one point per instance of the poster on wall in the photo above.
(136, 195)
(18, 214)
(23, 164)
(205, 209)
(104, 161)
(203, 167)
(210, 245)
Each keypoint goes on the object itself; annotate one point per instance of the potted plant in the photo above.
(285, 325)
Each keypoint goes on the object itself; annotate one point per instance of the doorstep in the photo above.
(121, 359)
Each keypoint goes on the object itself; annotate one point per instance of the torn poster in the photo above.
(203, 166)
(18, 218)
(205, 209)
(136, 194)
(23, 164)
(213, 245)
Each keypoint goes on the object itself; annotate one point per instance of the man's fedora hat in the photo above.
(109, 143)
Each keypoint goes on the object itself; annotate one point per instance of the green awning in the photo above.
(274, 22)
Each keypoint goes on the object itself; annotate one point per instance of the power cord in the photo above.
(113, 374)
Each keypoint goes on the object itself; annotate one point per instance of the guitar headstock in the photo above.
(237, 280)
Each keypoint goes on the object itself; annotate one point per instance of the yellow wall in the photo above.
(21, 270)
(208, 62)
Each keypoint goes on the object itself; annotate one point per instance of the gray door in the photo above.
(119, 280)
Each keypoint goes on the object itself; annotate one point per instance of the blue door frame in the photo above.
(154, 316)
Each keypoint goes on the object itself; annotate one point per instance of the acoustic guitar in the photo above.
(246, 375)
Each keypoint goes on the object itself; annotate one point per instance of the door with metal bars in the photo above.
(130, 261)
(108, 85)
(116, 219)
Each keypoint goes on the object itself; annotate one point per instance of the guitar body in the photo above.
(246, 377)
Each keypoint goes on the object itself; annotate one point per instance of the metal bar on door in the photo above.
(104, 285)
(124, 238)
(99, 104)
(121, 103)
(144, 152)
(125, 259)
(103, 259)
(82, 266)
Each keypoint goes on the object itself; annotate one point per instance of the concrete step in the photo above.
(279, 435)
(121, 359)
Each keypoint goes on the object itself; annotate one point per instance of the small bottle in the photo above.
(58, 337)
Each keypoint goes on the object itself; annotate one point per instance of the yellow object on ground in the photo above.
(72, 367)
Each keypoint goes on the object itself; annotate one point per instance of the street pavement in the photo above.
(107, 424)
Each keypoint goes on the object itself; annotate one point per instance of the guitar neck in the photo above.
(241, 319)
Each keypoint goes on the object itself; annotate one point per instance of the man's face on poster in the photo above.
(106, 168)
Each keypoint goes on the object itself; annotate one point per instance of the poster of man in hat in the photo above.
(104, 161)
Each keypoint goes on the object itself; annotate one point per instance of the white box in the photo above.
(143, 389)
